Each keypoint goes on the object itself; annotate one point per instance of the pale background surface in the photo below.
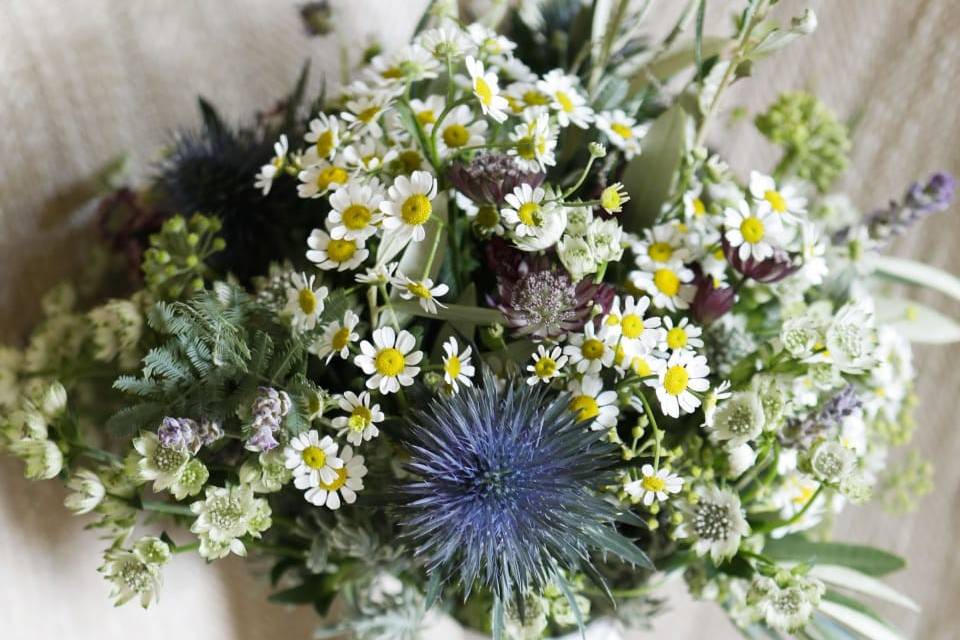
(84, 80)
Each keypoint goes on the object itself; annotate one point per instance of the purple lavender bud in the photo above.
(262, 439)
(710, 302)
(490, 176)
(773, 269)
(178, 433)
(933, 197)
(210, 431)
(918, 203)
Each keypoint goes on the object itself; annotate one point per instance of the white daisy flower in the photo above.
(363, 112)
(318, 179)
(680, 336)
(456, 366)
(613, 198)
(754, 235)
(590, 351)
(390, 360)
(485, 216)
(785, 200)
(622, 131)
(324, 138)
(337, 338)
(565, 99)
(546, 364)
(661, 245)
(340, 254)
(354, 213)
(447, 43)
(653, 485)
(642, 365)
(312, 459)
(304, 301)
(377, 274)
(269, 171)
(361, 424)
(489, 42)
(460, 129)
(347, 482)
(592, 404)
(536, 224)
(368, 155)
(629, 323)
(693, 206)
(668, 285)
(423, 290)
(428, 110)
(534, 143)
(716, 523)
(409, 64)
(486, 90)
(408, 206)
(684, 373)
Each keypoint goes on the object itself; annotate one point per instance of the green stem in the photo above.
(184, 548)
(583, 176)
(776, 524)
(166, 507)
(433, 249)
(657, 433)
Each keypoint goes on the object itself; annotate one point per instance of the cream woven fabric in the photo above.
(84, 80)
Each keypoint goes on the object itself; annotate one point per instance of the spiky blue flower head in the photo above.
(507, 490)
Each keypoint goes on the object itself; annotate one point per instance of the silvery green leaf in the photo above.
(861, 583)
(451, 313)
(711, 84)
(912, 272)
(862, 624)
(916, 322)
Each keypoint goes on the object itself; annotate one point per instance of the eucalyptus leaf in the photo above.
(917, 273)
(916, 322)
(862, 624)
(846, 578)
(868, 560)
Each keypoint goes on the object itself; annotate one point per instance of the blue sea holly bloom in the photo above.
(507, 491)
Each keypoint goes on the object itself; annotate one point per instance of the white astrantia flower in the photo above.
(320, 178)
(43, 458)
(799, 335)
(447, 43)
(312, 459)
(565, 99)
(324, 139)
(739, 460)
(343, 487)
(337, 337)
(851, 339)
(605, 238)
(739, 419)
(117, 329)
(135, 574)
(224, 516)
(158, 464)
(457, 369)
(626, 321)
(305, 302)
(424, 291)
(577, 256)
(460, 129)
(330, 253)
(653, 485)
(753, 234)
(591, 350)
(547, 364)
(715, 523)
(613, 198)
(266, 473)
(593, 405)
(536, 223)
(578, 220)
(831, 461)
(787, 601)
(785, 201)
(534, 142)
(679, 336)
(268, 172)
(390, 360)
(485, 87)
(86, 492)
(622, 131)
(408, 206)
(668, 285)
(361, 423)
(684, 373)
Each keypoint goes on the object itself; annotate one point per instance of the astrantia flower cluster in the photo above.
(483, 325)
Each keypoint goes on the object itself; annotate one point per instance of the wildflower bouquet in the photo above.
(493, 334)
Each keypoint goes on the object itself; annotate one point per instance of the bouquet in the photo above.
(491, 333)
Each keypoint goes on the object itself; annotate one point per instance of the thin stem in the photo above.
(166, 507)
(389, 306)
(433, 249)
(657, 433)
(776, 524)
(184, 548)
(583, 176)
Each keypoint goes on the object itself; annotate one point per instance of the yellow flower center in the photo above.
(527, 148)
(368, 114)
(314, 457)
(528, 213)
(654, 484)
(667, 281)
(677, 338)
(752, 230)
(452, 366)
(612, 320)
(340, 338)
(416, 209)
(338, 482)
(618, 354)
(545, 367)
(488, 217)
(777, 203)
(308, 301)
(341, 250)
(324, 143)
(360, 418)
(803, 497)
(410, 160)
(565, 102)
(641, 367)
(585, 407)
(592, 348)
(389, 362)
(610, 199)
(621, 130)
(483, 91)
(660, 251)
(426, 117)
(392, 73)
(675, 381)
(456, 135)
(534, 98)
(329, 176)
(698, 207)
(419, 289)
(355, 217)
(718, 254)
(632, 326)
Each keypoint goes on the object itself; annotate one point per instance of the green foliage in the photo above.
(175, 265)
(868, 560)
(816, 145)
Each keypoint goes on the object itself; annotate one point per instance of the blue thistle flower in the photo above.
(507, 491)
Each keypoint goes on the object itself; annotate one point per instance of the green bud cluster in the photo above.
(175, 264)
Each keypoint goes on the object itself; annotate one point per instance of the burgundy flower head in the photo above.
(773, 269)
(710, 302)
(489, 177)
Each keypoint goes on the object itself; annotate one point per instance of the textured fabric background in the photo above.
(85, 80)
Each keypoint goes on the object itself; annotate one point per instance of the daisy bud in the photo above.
(805, 24)
(54, 400)
(597, 150)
